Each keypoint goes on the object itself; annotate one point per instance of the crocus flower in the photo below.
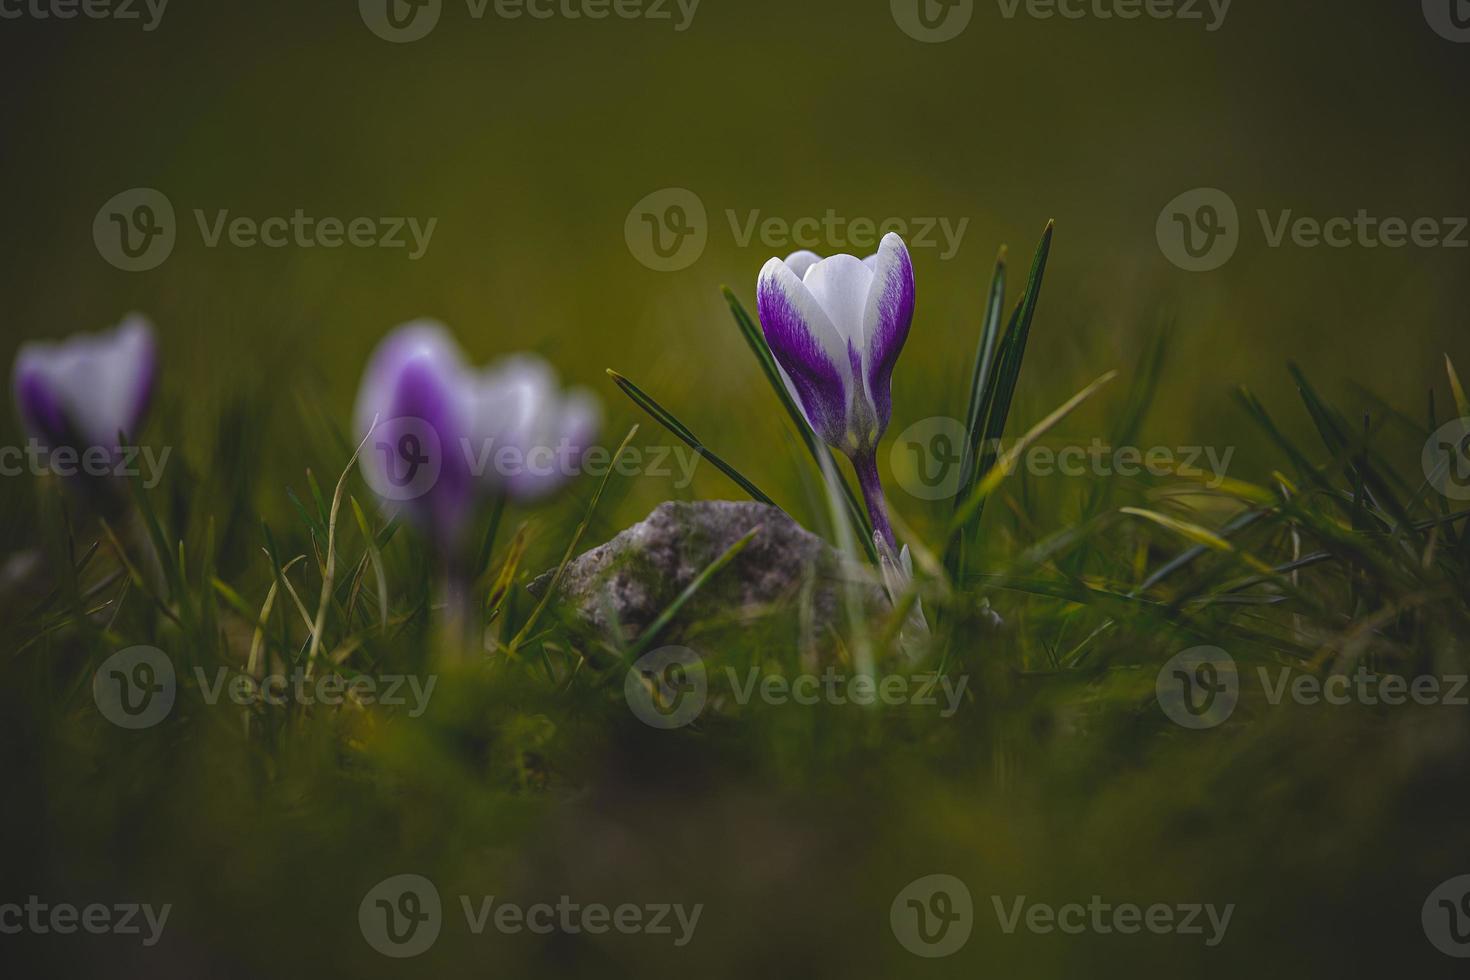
(86, 391)
(835, 327)
(535, 433)
(416, 399)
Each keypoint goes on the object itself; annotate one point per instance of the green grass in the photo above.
(527, 777)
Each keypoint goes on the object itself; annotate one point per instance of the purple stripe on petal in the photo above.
(423, 392)
(803, 342)
(40, 409)
(889, 314)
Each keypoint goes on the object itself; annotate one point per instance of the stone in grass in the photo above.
(784, 590)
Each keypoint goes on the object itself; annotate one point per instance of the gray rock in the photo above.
(785, 588)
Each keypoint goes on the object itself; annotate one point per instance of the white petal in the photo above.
(802, 261)
(98, 378)
(841, 284)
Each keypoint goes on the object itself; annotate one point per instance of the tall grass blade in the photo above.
(679, 429)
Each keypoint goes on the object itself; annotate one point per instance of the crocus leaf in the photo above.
(980, 391)
(668, 421)
(1001, 388)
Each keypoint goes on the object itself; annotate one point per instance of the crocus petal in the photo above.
(520, 407)
(841, 284)
(416, 385)
(800, 262)
(39, 402)
(85, 390)
(887, 316)
(807, 346)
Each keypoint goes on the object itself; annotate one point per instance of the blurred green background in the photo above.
(529, 142)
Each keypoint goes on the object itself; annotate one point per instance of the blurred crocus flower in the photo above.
(835, 327)
(416, 409)
(534, 432)
(88, 390)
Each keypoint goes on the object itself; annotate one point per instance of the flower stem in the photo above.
(866, 467)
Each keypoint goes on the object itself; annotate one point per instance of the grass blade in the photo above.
(1002, 468)
(571, 551)
(668, 421)
(710, 571)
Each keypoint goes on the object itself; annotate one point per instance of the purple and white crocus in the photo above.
(836, 327)
(89, 391)
(445, 436)
(416, 409)
(533, 432)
